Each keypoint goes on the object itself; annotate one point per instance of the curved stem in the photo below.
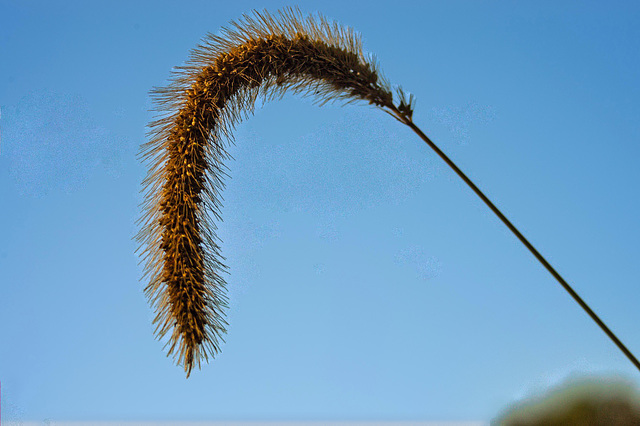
(407, 120)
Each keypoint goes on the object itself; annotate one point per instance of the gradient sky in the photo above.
(367, 282)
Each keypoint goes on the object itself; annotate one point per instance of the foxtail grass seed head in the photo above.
(261, 56)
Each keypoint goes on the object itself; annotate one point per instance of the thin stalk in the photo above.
(406, 119)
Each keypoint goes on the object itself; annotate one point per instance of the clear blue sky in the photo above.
(366, 280)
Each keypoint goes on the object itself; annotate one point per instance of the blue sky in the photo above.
(367, 282)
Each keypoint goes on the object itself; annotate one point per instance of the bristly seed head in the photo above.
(264, 56)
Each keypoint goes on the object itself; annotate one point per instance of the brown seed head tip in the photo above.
(262, 55)
(406, 103)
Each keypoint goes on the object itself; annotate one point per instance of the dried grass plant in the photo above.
(261, 56)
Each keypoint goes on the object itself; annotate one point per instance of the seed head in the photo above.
(261, 56)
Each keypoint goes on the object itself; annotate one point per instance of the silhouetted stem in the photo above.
(407, 120)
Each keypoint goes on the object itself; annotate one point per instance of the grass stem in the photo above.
(407, 120)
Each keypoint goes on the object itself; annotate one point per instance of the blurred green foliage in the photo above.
(587, 401)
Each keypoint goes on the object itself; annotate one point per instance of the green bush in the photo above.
(588, 402)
